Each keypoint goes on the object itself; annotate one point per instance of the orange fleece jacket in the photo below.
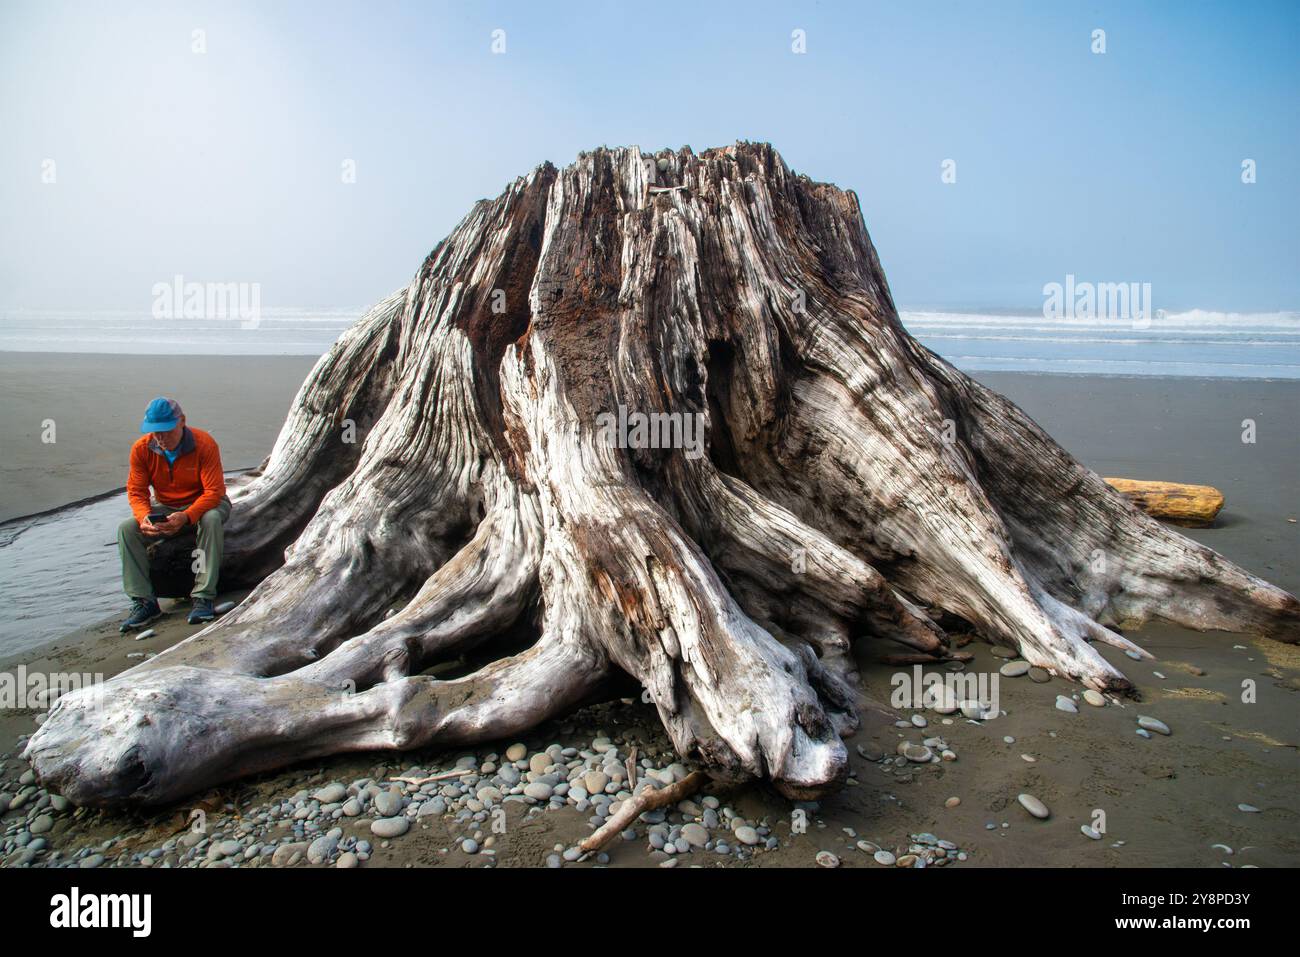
(195, 481)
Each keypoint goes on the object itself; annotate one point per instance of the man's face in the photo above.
(169, 440)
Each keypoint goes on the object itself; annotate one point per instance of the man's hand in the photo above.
(172, 524)
(148, 529)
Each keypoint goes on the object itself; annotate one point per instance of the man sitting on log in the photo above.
(183, 466)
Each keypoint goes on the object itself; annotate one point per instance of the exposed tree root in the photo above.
(820, 479)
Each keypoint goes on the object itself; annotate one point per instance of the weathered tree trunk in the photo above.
(849, 485)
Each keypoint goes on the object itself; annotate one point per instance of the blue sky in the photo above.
(225, 166)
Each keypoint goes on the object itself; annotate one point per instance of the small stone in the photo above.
(287, 852)
(1034, 806)
(388, 803)
(469, 845)
(1248, 808)
(1153, 724)
(1000, 651)
(390, 826)
(595, 781)
(321, 849)
(952, 802)
(827, 859)
(1090, 832)
(747, 835)
(1040, 675)
(885, 857)
(347, 860)
(918, 753)
(1014, 669)
(1133, 654)
(1066, 704)
(539, 791)
(1094, 698)
(42, 824)
(695, 834)
(516, 752)
(224, 607)
(331, 793)
(147, 633)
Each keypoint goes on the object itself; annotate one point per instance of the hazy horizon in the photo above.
(229, 163)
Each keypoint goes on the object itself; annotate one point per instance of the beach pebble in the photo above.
(695, 834)
(388, 803)
(331, 793)
(1034, 806)
(390, 826)
(885, 857)
(1153, 724)
(470, 846)
(1066, 704)
(224, 607)
(1089, 831)
(1000, 651)
(1094, 698)
(539, 791)
(952, 802)
(516, 752)
(747, 835)
(1143, 733)
(1014, 669)
(347, 860)
(321, 849)
(919, 721)
(147, 633)
(918, 753)
(42, 824)
(827, 859)
(972, 709)
(1248, 808)
(287, 852)
(1133, 654)
(1040, 675)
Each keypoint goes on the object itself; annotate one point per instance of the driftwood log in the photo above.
(845, 484)
(1192, 505)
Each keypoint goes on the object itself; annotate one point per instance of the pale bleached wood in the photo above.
(849, 486)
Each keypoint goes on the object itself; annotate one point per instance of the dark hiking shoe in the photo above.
(202, 611)
(143, 611)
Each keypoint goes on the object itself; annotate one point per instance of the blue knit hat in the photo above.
(162, 415)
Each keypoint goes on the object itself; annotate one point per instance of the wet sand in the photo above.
(97, 401)
(1167, 799)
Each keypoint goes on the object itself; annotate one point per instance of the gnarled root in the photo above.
(842, 484)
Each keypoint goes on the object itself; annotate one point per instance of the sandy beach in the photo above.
(96, 402)
(1166, 800)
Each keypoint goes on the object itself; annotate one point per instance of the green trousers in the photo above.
(132, 544)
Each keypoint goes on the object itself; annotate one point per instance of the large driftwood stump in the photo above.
(845, 482)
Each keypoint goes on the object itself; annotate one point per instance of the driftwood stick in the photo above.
(637, 805)
(440, 776)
